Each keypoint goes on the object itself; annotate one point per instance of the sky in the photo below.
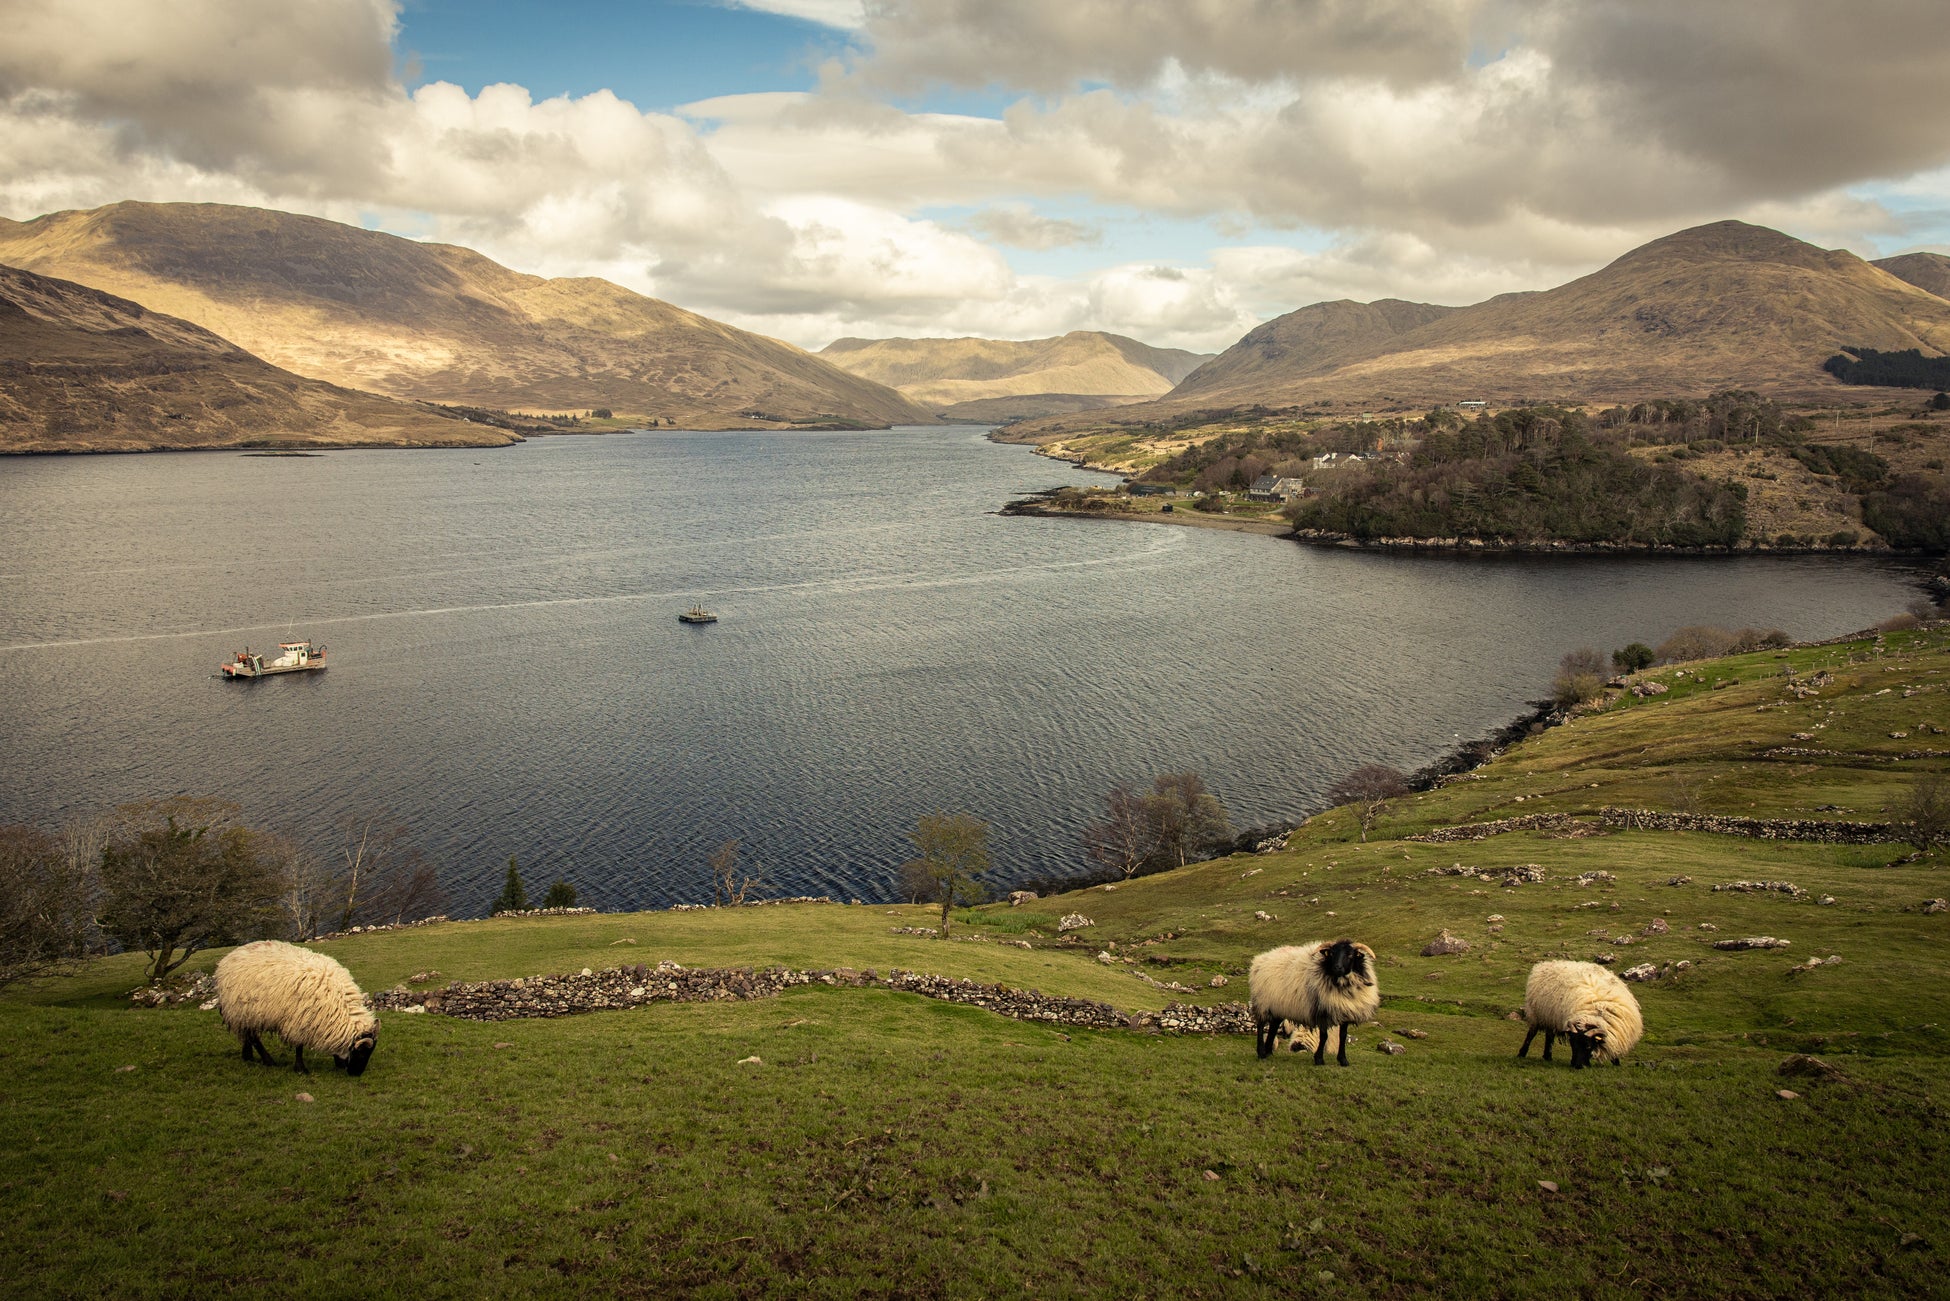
(1173, 170)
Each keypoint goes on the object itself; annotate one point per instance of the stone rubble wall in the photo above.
(1807, 829)
(623, 987)
(1620, 819)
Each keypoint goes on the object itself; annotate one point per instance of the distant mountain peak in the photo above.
(439, 322)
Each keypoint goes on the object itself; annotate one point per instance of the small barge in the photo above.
(698, 614)
(293, 657)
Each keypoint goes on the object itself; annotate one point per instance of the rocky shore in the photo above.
(1558, 547)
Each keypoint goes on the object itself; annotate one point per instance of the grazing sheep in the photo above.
(1317, 986)
(308, 999)
(1584, 1002)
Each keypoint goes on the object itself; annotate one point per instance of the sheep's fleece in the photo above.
(1583, 998)
(308, 999)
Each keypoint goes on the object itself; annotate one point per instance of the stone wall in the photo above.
(1617, 819)
(621, 987)
(1808, 829)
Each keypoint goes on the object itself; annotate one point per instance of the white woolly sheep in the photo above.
(1584, 1002)
(306, 998)
(1316, 986)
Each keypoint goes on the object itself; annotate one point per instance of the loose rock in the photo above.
(1750, 942)
(1445, 944)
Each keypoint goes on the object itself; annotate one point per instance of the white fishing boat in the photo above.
(292, 657)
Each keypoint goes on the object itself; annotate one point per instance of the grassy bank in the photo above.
(889, 1145)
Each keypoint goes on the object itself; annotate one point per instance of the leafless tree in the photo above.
(1186, 818)
(1368, 788)
(729, 886)
(382, 874)
(1125, 838)
(46, 904)
(310, 889)
(1923, 819)
(1580, 677)
(954, 859)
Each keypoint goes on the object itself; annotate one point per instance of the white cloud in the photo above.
(1020, 226)
(1438, 150)
(843, 14)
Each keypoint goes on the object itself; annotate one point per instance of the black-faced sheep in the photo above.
(1587, 1004)
(1317, 986)
(306, 998)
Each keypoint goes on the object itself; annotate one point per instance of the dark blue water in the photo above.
(509, 676)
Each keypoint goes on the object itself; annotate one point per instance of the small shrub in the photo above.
(560, 895)
(514, 896)
(1923, 820)
(1580, 677)
(1844, 538)
(1632, 658)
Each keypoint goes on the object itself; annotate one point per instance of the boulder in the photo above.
(1445, 944)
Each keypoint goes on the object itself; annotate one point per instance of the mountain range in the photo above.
(434, 322)
(1726, 305)
(1002, 379)
(175, 325)
(86, 371)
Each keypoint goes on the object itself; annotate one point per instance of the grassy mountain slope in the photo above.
(950, 374)
(436, 322)
(1930, 271)
(85, 371)
(1728, 305)
(1309, 341)
(886, 1145)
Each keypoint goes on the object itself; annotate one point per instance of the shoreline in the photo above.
(1032, 507)
(1037, 507)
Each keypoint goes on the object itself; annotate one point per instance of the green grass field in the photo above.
(890, 1145)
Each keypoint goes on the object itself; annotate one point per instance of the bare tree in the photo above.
(954, 859)
(1923, 820)
(383, 876)
(46, 904)
(1368, 788)
(1186, 818)
(1124, 839)
(182, 875)
(309, 888)
(730, 887)
(1580, 677)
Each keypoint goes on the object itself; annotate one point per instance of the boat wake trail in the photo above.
(1140, 557)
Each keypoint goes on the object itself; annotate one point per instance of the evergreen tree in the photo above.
(560, 895)
(513, 897)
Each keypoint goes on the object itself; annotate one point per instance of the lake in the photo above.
(508, 674)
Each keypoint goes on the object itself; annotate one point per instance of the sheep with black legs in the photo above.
(1316, 987)
(1585, 1003)
(305, 998)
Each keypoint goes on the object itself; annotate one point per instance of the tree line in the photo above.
(1532, 474)
(1904, 368)
(172, 877)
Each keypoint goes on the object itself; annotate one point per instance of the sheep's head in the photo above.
(360, 1053)
(1344, 960)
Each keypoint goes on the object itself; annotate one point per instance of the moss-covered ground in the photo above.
(889, 1145)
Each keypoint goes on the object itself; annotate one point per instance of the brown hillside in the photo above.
(84, 371)
(1722, 306)
(1308, 341)
(1927, 271)
(440, 323)
(949, 374)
